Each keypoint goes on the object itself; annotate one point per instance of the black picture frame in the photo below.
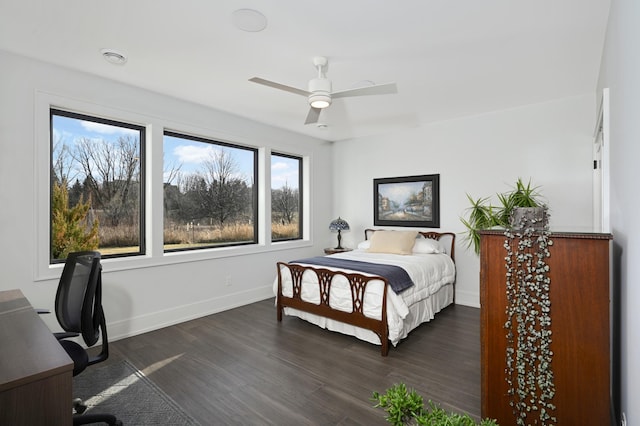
(407, 201)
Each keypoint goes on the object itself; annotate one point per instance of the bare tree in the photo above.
(112, 173)
(285, 202)
(193, 198)
(171, 172)
(62, 169)
(172, 194)
(227, 190)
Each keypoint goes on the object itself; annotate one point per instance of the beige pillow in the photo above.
(395, 242)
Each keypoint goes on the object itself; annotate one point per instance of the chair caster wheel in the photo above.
(78, 406)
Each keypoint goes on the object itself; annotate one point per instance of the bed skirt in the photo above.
(420, 312)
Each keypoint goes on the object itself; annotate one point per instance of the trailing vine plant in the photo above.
(528, 368)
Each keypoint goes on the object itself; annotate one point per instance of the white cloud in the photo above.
(192, 154)
(279, 166)
(284, 173)
(279, 180)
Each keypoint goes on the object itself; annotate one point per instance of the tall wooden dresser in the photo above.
(580, 325)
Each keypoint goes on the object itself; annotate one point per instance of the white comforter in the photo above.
(429, 272)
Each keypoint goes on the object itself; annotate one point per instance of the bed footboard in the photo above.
(358, 284)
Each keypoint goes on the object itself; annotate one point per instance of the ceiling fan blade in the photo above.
(379, 89)
(279, 86)
(313, 116)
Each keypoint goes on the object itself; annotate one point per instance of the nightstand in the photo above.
(336, 250)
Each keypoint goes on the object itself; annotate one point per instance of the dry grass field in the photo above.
(124, 239)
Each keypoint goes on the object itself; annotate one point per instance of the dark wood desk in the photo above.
(35, 372)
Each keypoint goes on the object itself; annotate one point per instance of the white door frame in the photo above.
(601, 168)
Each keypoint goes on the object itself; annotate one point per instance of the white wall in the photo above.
(620, 72)
(551, 143)
(155, 290)
(480, 155)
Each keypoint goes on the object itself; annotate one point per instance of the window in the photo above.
(97, 196)
(210, 193)
(286, 197)
(142, 193)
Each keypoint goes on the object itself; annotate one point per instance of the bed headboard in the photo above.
(448, 239)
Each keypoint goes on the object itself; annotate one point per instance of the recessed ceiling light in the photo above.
(114, 57)
(249, 20)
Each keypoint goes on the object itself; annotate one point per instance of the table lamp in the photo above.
(339, 225)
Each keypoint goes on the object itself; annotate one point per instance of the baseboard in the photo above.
(157, 320)
(467, 298)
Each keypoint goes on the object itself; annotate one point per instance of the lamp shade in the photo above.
(339, 225)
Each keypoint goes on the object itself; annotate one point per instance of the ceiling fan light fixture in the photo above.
(319, 95)
(319, 100)
(320, 89)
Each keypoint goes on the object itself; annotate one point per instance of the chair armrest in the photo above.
(64, 335)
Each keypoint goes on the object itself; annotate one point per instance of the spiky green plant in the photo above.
(483, 215)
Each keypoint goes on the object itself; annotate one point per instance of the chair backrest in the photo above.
(79, 296)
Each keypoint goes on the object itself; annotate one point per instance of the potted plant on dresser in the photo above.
(523, 200)
(524, 219)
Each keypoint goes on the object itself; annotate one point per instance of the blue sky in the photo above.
(187, 154)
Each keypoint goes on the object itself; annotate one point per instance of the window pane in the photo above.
(97, 167)
(210, 193)
(286, 197)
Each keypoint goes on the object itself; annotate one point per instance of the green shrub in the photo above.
(70, 228)
(406, 407)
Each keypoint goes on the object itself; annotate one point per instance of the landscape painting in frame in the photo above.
(407, 201)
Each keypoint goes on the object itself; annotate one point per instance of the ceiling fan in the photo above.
(320, 94)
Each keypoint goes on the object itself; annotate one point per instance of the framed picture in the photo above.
(407, 201)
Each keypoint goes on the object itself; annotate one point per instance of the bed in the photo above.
(352, 292)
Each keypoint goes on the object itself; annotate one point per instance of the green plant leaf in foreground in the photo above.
(406, 407)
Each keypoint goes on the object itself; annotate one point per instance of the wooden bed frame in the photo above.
(358, 283)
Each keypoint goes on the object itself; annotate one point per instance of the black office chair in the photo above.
(79, 312)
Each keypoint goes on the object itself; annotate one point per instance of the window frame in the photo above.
(155, 125)
(301, 191)
(254, 191)
(56, 111)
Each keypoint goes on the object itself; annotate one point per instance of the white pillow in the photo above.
(428, 246)
(364, 245)
(395, 242)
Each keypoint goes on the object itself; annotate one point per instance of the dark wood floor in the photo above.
(243, 367)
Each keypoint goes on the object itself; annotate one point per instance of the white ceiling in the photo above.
(449, 58)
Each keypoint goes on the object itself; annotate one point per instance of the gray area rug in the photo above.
(118, 388)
